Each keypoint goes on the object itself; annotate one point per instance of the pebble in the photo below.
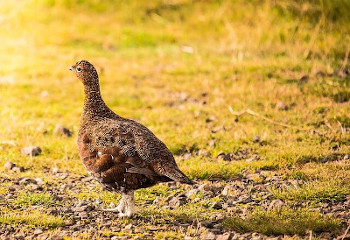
(27, 180)
(210, 236)
(186, 156)
(31, 151)
(177, 201)
(129, 226)
(192, 192)
(227, 157)
(9, 165)
(38, 231)
(256, 139)
(18, 169)
(227, 190)
(63, 131)
(217, 205)
(256, 236)
(277, 203)
(83, 215)
(281, 106)
(221, 154)
(212, 143)
(202, 152)
(225, 236)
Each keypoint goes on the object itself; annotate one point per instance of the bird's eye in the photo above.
(78, 69)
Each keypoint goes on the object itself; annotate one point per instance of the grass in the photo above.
(283, 221)
(28, 199)
(312, 191)
(31, 219)
(187, 70)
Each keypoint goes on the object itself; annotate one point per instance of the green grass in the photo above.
(31, 219)
(312, 191)
(28, 199)
(173, 65)
(283, 221)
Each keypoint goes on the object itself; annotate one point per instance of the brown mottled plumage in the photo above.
(121, 154)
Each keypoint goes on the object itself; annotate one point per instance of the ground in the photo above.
(251, 97)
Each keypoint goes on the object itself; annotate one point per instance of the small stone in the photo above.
(186, 156)
(221, 155)
(116, 229)
(227, 157)
(83, 215)
(281, 106)
(192, 192)
(26, 181)
(9, 165)
(81, 208)
(256, 139)
(202, 152)
(39, 181)
(226, 236)
(211, 143)
(276, 204)
(38, 231)
(19, 236)
(44, 94)
(62, 130)
(210, 236)
(346, 157)
(31, 151)
(36, 187)
(226, 190)
(256, 236)
(177, 201)
(304, 79)
(55, 170)
(18, 169)
(210, 119)
(129, 226)
(217, 205)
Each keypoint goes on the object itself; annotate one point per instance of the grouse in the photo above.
(121, 154)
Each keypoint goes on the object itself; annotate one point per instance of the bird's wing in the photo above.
(130, 142)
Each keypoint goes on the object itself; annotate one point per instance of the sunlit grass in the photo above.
(312, 191)
(283, 221)
(27, 199)
(34, 218)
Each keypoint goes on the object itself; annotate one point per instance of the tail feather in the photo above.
(174, 173)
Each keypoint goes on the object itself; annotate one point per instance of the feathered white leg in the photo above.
(126, 206)
(120, 208)
(129, 208)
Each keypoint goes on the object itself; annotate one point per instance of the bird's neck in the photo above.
(94, 106)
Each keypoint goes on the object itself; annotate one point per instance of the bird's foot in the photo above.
(125, 214)
(120, 208)
(116, 209)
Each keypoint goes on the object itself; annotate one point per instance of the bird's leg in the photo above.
(121, 206)
(129, 207)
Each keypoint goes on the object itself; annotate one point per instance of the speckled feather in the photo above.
(120, 153)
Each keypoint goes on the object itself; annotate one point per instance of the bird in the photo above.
(121, 154)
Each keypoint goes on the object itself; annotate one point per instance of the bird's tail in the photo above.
(175, 174)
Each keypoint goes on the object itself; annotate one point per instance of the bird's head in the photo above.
(86, 72)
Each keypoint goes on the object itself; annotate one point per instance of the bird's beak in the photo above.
(71, 68)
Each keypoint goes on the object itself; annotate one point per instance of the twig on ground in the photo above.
(345, 61)
(251, 112)
(346, 232)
